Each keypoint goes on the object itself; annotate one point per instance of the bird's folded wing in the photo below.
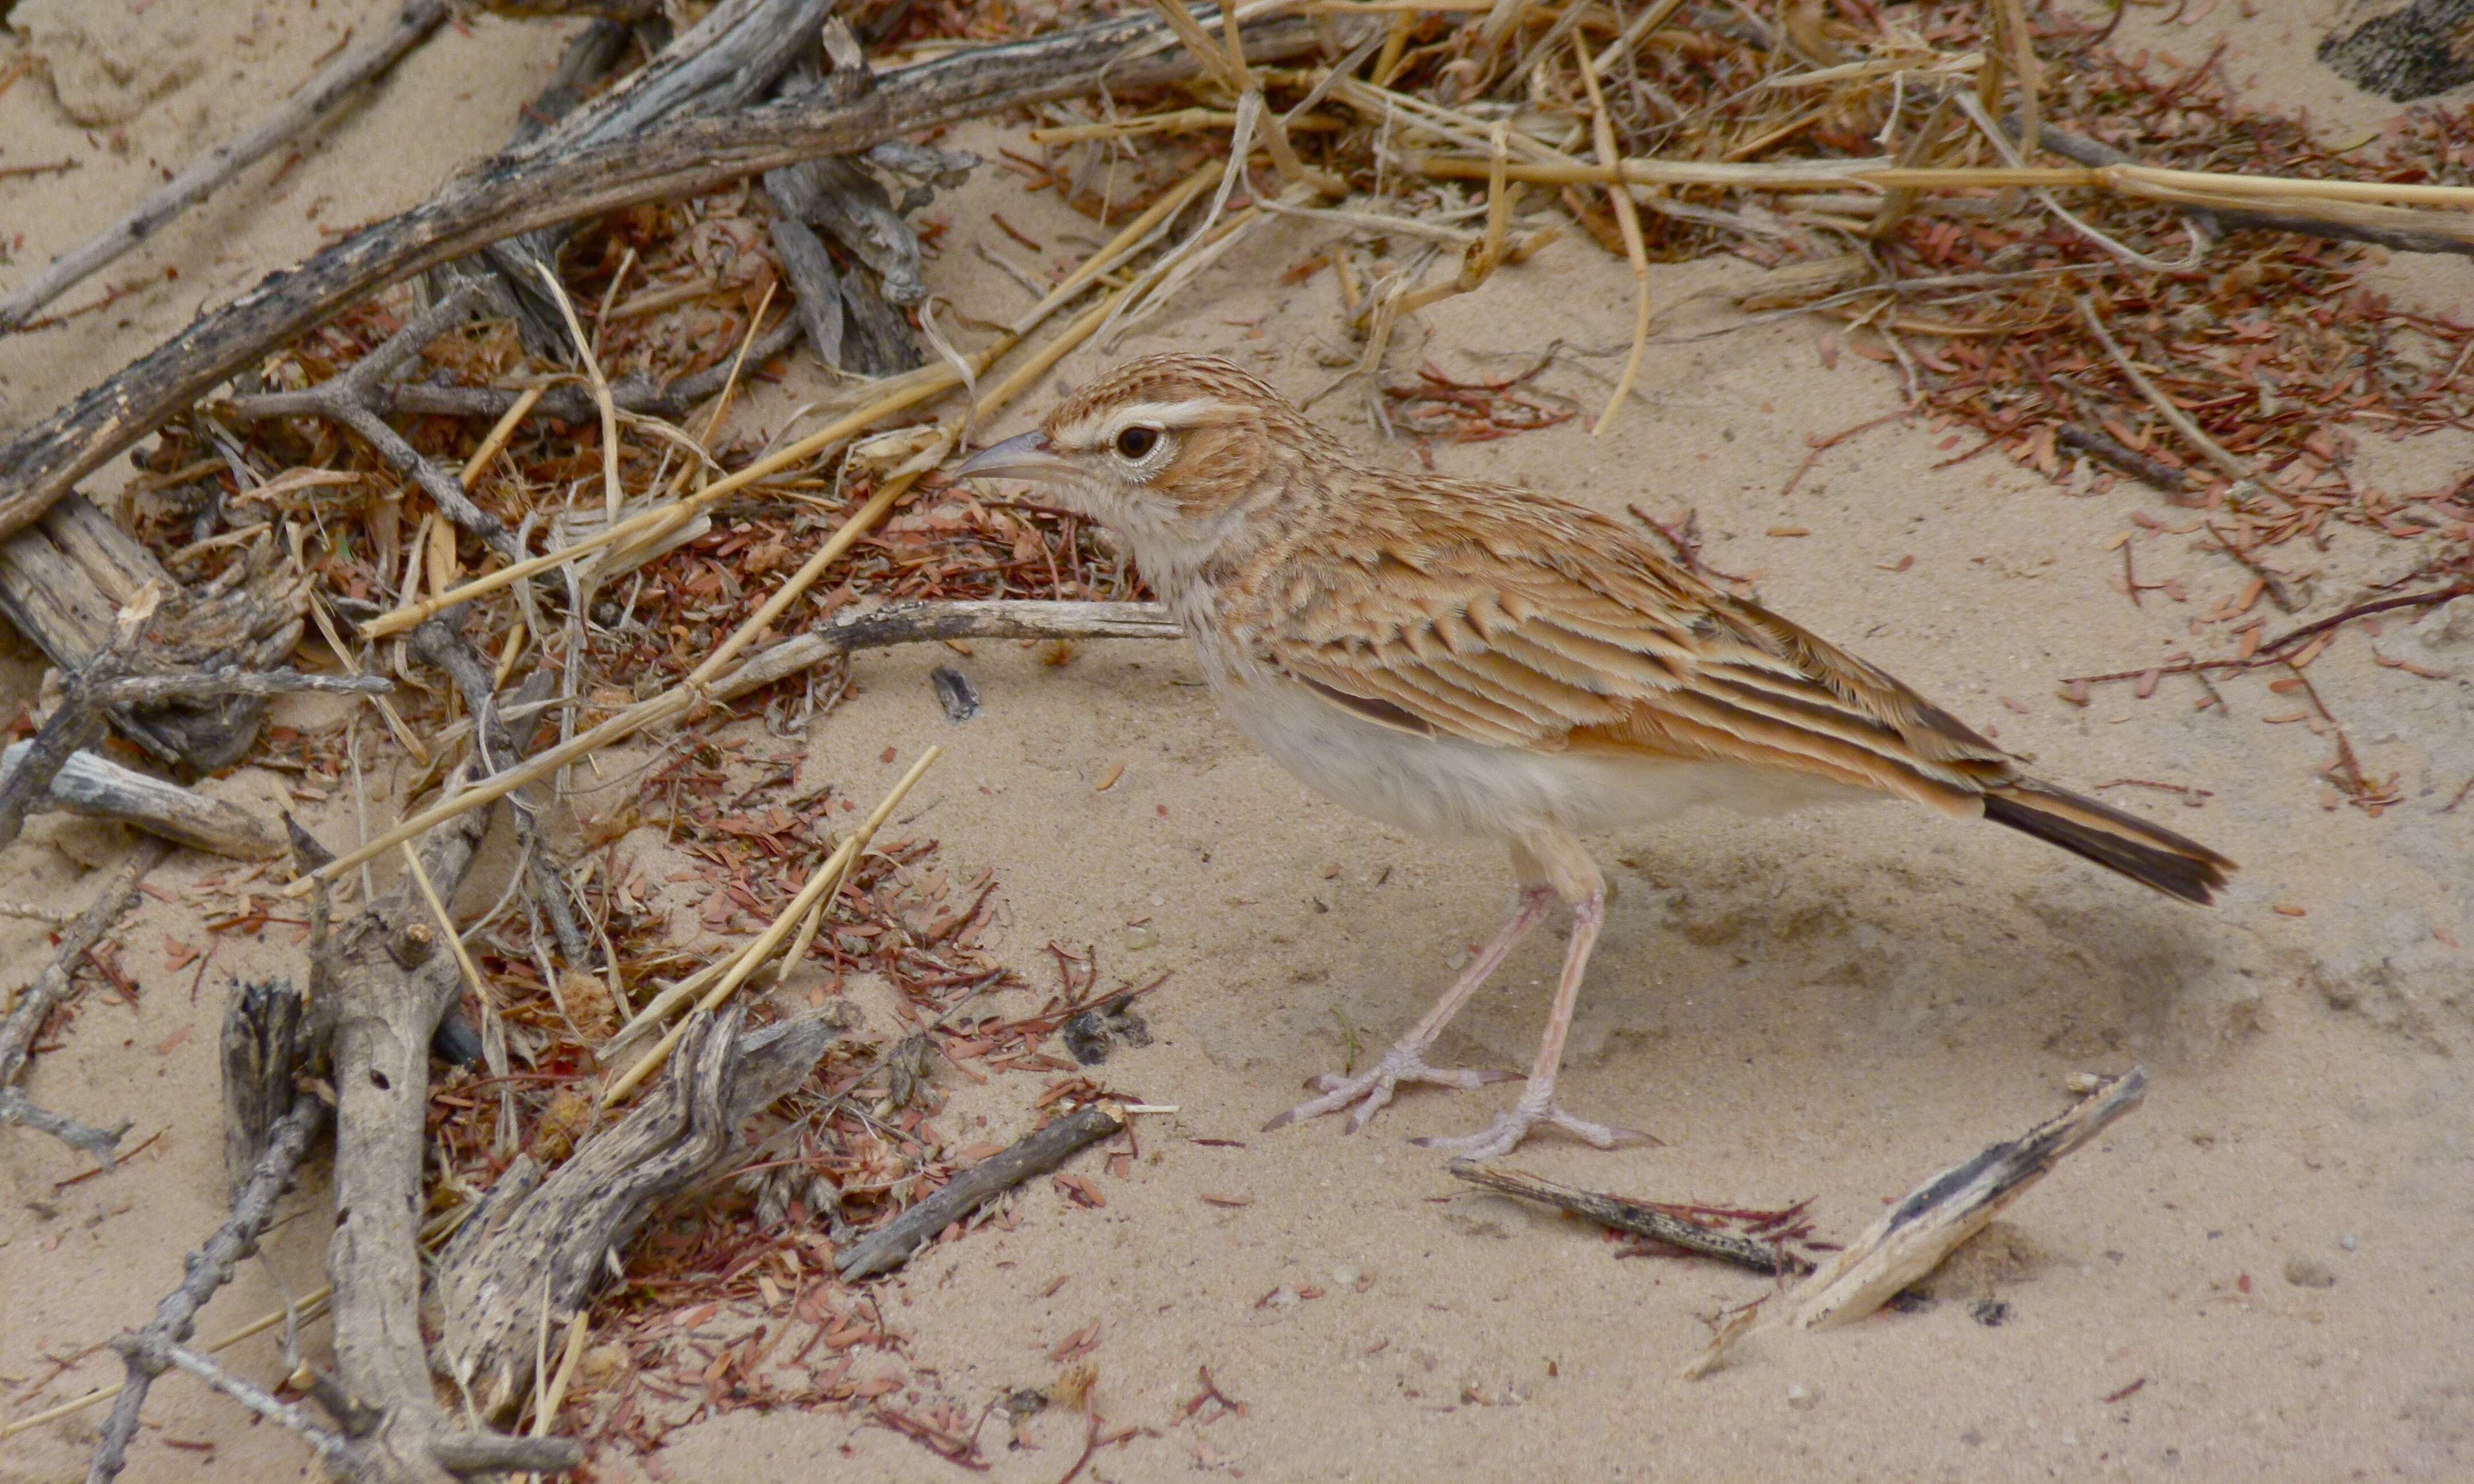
(1602, 645)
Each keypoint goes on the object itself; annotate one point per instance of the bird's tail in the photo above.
(2117, 841)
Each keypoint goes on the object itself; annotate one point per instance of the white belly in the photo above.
(1446, 787)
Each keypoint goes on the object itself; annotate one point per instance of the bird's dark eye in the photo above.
(1136, 442)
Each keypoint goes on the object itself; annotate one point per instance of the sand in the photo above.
(1829, 1006)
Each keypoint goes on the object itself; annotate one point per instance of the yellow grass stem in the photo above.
(1628, 218)
(826, 879)
(2226, 191)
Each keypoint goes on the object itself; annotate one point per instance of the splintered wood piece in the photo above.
(1935, 1219)
(264, 1048)
(1915, 1234)
(897, 1241)
(537, 1241)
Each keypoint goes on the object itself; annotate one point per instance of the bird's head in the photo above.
(1167, 451)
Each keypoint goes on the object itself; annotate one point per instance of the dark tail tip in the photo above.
(2113, 839)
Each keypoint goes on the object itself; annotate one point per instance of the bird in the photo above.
(1472, 661)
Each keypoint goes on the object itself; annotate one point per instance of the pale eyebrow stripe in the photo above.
(1098, 427)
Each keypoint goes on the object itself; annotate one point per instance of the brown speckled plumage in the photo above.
(1469, 657)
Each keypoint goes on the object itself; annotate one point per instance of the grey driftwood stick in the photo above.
(897, 1241)
(207, 1270)
(102, 1143)
(95, 787)
(503, 197)
(1640, 1218)
(237, 680)
(317, 98)
(388, 981)
(921, 623)
(441, 642)
(351, 398)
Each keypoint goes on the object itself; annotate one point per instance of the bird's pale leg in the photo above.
(1406, 1060)
(1537, 1103)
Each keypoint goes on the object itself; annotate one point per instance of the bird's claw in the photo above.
(1510, 1127)
(1373, 1088)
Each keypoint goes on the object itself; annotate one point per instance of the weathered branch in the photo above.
(535, 1241)
(317, 98)
(90, 784)
(440, 642)
(504, 198)
(208, 1269)
(726, 61)
(352, 399)
(235, 681)
(567, 403)
(16, 1108)
(1953, 1206)
(390, 981)
(1935, 1219)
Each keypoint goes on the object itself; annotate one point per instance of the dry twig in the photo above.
(897, 1241)
(36, 1002)
(207, 1270)
(503, 200)
(1640, 1218)
(321, 96)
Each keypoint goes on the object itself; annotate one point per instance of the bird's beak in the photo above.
(1024, 456)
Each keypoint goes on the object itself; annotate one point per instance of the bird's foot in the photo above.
(1371, 1090)
(1514, 1125)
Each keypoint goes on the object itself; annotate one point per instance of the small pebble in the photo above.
(1138, 938)
(2083, 1083)
(1803, 1397)
(2347, 1242)
(1348, 1274)
(2309, 1273)
(1284, 1297)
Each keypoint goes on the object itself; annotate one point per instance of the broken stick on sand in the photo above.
(1935, 1219)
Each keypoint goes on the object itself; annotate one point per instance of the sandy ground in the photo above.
(1830, 1006)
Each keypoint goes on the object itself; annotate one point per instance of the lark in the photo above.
(1471, 660)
